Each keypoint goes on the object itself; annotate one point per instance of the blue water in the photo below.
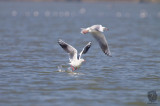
(30, 55)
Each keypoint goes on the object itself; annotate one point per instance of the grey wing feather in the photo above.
(69, 49)
(84, 50)
(102, 42)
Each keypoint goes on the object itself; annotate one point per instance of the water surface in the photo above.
(30, 55)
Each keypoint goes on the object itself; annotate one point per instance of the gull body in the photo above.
(75, 59)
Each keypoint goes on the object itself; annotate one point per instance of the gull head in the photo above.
(82, 60)
(94, 28)
(85, 30)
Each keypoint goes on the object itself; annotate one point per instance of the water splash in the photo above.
(60, 69)
(69, 71)
(63, 69)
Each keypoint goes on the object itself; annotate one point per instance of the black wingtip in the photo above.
(60, 41)
(108, 53)
(89, 44)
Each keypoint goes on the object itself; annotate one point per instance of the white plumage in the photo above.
(96, 31)
(75, 60)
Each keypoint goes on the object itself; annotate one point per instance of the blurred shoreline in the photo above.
(139, 1)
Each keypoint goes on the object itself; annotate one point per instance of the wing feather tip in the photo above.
(108, 54)
(89, 43)
(59, 41)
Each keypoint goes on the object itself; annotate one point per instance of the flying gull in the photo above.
(96, 31)
(75, 60)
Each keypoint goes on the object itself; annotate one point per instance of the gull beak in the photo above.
(84, 31)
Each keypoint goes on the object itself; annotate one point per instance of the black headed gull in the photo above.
(75, 61)
(96, 31)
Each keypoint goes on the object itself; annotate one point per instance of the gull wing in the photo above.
(102, 42)
(69, 49)
(84, 50)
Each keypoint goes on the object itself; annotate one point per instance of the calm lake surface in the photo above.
(30, 55)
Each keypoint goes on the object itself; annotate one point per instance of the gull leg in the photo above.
(76, 68)
(72, 68)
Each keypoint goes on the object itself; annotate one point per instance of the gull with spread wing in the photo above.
(96, 31)
(75, 60)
